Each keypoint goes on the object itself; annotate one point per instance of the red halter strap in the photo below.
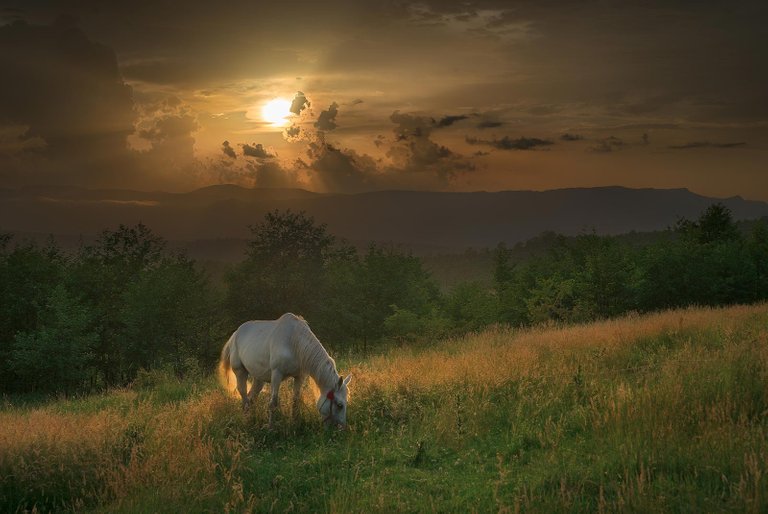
(329, 396)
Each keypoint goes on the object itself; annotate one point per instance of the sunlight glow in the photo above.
(277, 111)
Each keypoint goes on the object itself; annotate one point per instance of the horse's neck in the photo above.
(326, 378)
(317, 363)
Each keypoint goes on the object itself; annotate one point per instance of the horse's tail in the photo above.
(225, 367)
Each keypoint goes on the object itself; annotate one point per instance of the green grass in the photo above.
(663, 413)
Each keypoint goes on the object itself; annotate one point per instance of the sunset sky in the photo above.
(459, 96)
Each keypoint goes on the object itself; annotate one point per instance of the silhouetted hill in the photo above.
(424, 221)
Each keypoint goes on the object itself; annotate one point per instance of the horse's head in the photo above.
(333, 404)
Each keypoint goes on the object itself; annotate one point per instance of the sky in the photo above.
(361, 96)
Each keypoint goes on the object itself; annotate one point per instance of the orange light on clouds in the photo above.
(276, 112)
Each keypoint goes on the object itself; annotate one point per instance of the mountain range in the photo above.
(423, 221)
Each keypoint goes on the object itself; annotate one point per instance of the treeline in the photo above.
(95, 318)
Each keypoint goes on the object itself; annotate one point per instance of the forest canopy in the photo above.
(94, 318)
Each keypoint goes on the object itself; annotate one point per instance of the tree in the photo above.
(758, 249)
(552, 298)
(170, 316)
(471, 306)
(714, 225)
(605, 275)
(28, 273)
(102, 273)
(512, 284)
(58, 353)
(388, 281)
(283, 270)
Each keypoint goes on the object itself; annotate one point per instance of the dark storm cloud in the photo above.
(67, 90)
(447, 121)
(334, 169)
(489, 124)
(270, 174)
(607, 145)
(256, 150)
(327, 119)
(228, 150)
(409, 126)
(571, 137)
(705, 144)
(507, 143)
(299, 103)
(414, 151)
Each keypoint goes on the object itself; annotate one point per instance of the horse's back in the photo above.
(263, 345)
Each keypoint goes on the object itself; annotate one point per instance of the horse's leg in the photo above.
(256, 388)
(274, 403)
(242, 385)
(298, 383)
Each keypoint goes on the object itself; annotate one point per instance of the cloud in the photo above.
(170, 162)
(447, 121)
(292, 133)
(489, 124)
(326, 120)
(67, 91)
(299, 103)
(414, 151)
(507, 143)
(256, 150)
(705, 144)
(337, 170)
(169, 127)
(607, 145)
(270, 174)
(228, 150)
(571, 137)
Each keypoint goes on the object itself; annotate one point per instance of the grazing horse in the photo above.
(270, 351)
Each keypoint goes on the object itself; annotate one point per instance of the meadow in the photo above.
(664, 412)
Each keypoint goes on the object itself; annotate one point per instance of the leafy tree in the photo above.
(471, 306)
(169, 316)
(28, 273)
(714, 225)
(283, 270)
(390, 280)
(758, 250)
(512, 285)
(339, 318)
(102, 273)
(57, 354)
(605, 277)
(552, 298)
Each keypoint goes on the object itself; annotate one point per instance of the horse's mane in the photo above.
(314, 359)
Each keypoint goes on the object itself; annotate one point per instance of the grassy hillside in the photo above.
(666, 412)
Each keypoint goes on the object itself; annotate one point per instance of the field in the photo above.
(660, 413)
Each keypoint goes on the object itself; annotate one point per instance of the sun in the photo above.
(277, 111)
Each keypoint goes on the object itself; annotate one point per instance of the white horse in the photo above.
(270, 351)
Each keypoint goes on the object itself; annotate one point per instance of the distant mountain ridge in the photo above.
(443, 221)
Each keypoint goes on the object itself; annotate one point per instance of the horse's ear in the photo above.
(347, 380)
(341, 382)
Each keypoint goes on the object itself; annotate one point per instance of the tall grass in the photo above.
(665, 412)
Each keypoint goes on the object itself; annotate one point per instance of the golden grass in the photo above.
(191, 452)
(495, 356)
